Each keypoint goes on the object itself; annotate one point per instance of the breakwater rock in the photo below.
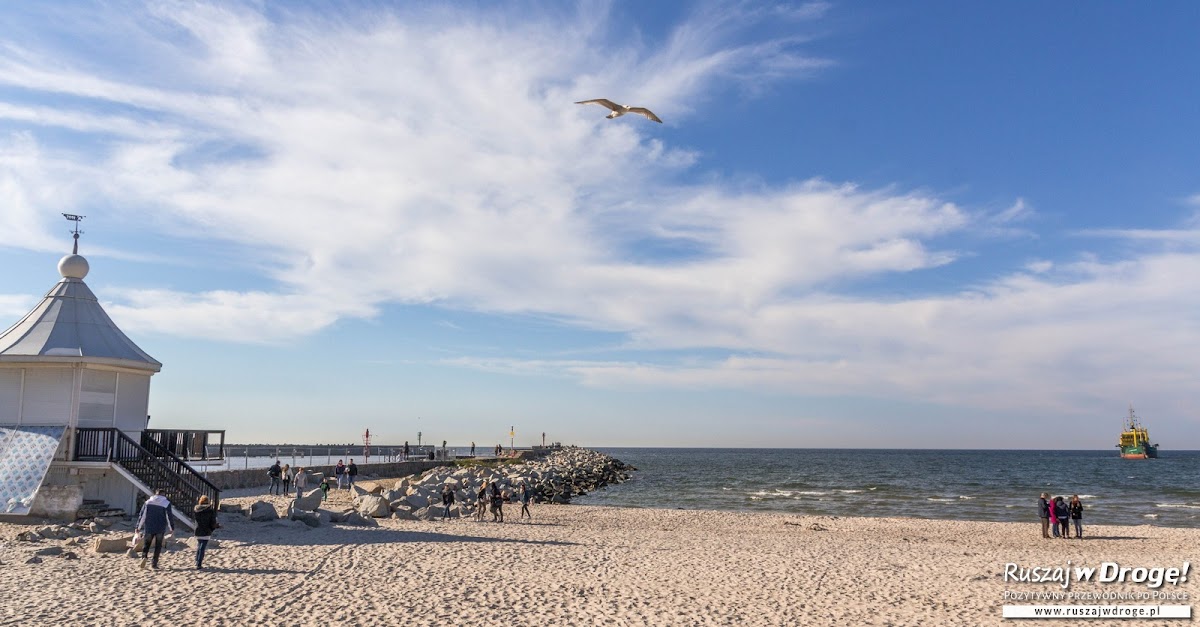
(556, 477)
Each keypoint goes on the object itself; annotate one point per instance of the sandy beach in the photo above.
(580, 565)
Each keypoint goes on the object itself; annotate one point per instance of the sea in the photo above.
(988, 485)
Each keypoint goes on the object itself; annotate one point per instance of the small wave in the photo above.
(965, 497)
(849, 491)
(1177, 505)
(813, 493)
(1149, 515)
(873, 488)
(940, 500)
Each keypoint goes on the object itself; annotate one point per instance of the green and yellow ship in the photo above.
(1135, 440)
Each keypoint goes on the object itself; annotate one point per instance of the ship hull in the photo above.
(1147, 452)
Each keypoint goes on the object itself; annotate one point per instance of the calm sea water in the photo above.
(954, 484)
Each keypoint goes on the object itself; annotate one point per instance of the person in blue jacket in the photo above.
(154, 524)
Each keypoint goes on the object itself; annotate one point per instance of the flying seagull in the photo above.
(620, 110)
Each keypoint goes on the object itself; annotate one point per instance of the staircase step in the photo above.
(95, 508)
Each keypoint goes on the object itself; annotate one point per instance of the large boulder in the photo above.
(417, 500)
(403, 512)
(309, 502)
(312, 519)
(52, 533)
(355, 518)
(374, 506)
(263, 511)
(112, 544)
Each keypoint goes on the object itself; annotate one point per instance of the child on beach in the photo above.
(324, 488)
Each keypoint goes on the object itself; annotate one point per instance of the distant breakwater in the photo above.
(553, 475)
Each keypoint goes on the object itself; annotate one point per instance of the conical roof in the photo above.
(70, 325)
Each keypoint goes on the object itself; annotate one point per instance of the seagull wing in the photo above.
(604, 102)
(646, 112)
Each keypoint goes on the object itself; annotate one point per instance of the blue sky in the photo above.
(935, 224)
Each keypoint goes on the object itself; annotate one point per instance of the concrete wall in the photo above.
(257, 477)
(59, 502)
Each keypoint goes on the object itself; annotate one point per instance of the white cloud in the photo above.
(434, 156)
(13, 306)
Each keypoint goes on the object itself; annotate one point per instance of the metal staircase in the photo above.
(151, 467)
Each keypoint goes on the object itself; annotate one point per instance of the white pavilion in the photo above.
(74, 392)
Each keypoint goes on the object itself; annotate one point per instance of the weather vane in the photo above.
(76, 219)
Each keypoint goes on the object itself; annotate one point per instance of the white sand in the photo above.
(578, 565)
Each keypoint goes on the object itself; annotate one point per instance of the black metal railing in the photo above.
(93, 444)
(189, 444)
(159, 469)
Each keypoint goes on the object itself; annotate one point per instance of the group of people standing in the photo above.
(282, 478)
(1057, 514)
(345, 475)
(493, 496)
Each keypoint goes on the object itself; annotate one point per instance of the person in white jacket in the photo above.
(153, 524)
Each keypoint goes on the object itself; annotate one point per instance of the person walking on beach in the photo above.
(206, 523)
(339, 473)
(447, 500)
(301, 481)
(286, 476)
(525, 497)
(351, 473)
(497, 503)
(153, 524)
(1063, 514)
(274, 472)
(481, 501)
(472, 449)
(1076, 510)
(324, 488)
(1044, 514)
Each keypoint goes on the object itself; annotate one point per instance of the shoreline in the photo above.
(584, 564)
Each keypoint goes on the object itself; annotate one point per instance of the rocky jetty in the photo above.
(554, 478)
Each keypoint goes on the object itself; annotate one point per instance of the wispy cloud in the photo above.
(431, 155)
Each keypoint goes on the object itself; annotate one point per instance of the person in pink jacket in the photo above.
(1053, 519)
